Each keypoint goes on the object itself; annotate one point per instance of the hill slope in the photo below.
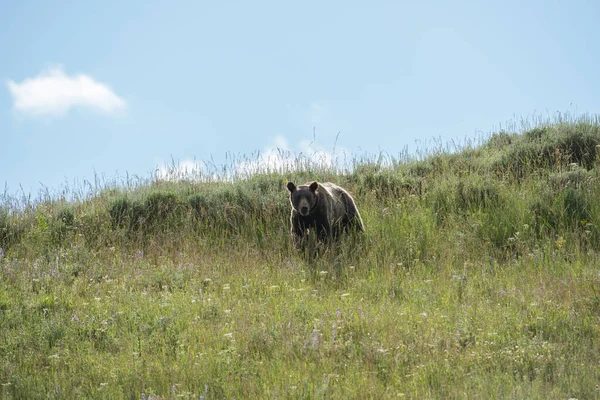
(477, 274)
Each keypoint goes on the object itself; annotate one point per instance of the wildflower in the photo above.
(315, 337)
(1, 252)
(457, 276)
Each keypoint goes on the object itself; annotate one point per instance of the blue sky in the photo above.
(115, 87)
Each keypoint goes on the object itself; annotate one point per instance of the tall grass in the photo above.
(477, 277)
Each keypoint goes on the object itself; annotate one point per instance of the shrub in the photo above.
(545, 217)
(4, 228)
(577, 207)
(499, 226)
(549, 147)
(537, 133)
(442, 202)
(162, 207)
(577, 178)
(472, 196)
(200, 206)
(120, 212)
(554, 211)
(61, 225)
(231, 208)
(420, 169)
(466, 196)
(384, 184)
(500, 140)
(127, 214)
(66, 216)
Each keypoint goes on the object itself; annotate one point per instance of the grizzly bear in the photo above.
(324, 207)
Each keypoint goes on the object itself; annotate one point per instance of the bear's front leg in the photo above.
(323, 232)
(298, 232)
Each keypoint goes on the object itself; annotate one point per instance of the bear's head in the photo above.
(304, 197)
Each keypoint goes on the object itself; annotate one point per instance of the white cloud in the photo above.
(317, 154)
(277, 156)
(280, 157)
(54, 93)
(182, 170)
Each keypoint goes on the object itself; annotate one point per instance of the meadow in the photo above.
(478, 276)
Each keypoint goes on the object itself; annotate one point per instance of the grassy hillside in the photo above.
(478, 277)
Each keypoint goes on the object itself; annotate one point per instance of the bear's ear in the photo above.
(291, 187)
(313, 186)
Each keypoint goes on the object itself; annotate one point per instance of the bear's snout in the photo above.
(304, 210)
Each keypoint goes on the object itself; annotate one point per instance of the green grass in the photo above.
(477, 277)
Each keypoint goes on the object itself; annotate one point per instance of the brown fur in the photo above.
(325, 207)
